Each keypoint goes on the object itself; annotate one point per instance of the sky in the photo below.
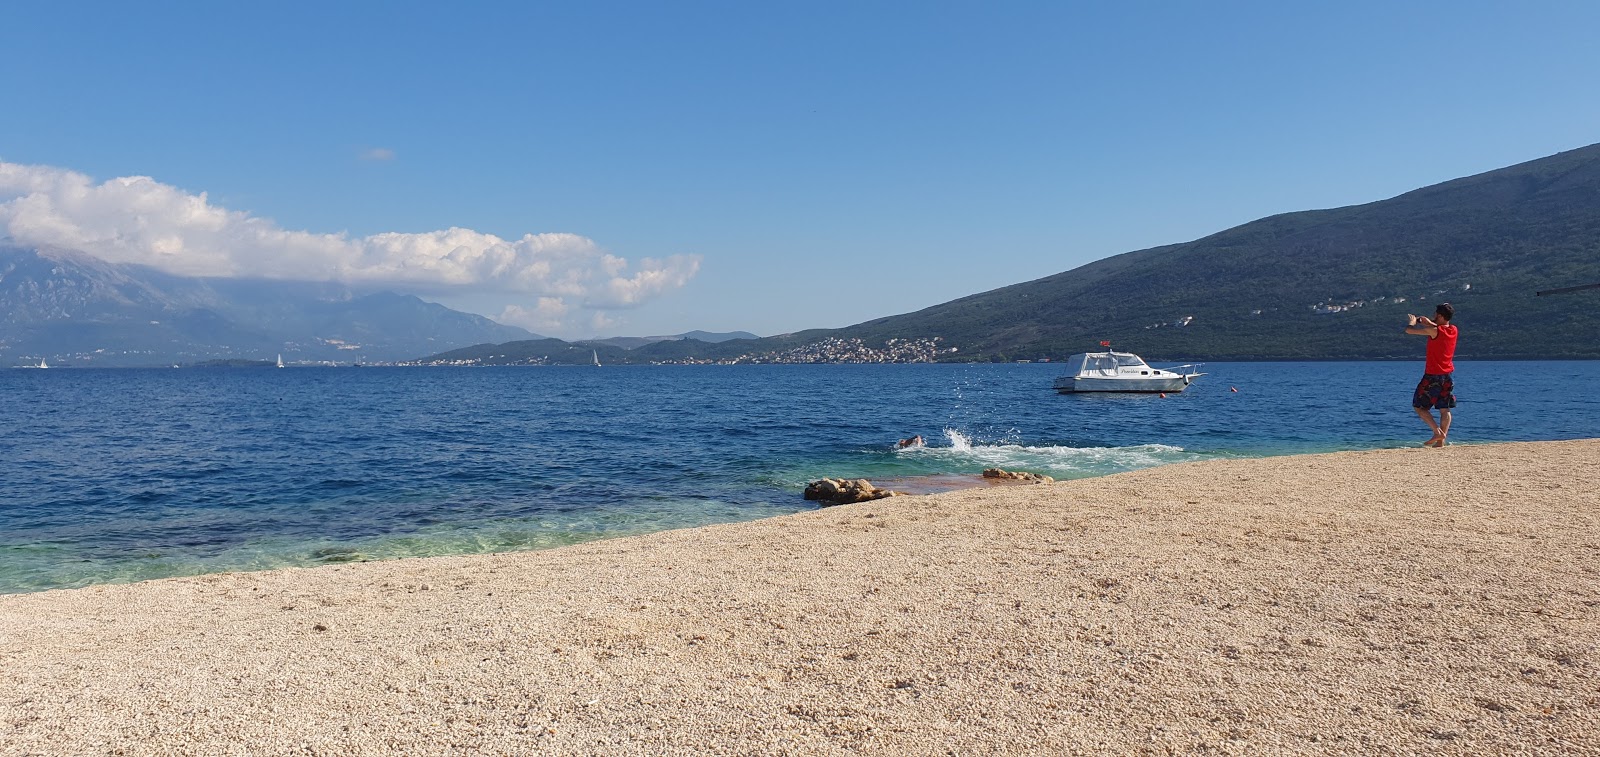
(614, 168)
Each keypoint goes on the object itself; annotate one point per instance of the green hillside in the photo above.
(531, 352)
(1505, 234)
(1317, 285)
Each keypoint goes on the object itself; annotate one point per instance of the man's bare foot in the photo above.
(1437, 441)
(1432, 441)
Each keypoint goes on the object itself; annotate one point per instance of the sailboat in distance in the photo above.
(280, 360)
(596, 354)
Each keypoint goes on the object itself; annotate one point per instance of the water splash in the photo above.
(963, 454)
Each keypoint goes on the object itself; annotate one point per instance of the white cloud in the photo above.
(601, 321)
(377, 153)
(653, 278)
(136, 219)
(547, 314)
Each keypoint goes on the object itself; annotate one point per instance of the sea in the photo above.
(122, 475)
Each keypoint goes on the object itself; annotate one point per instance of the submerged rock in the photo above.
(338, 554)
(836, 491)
(1023, 476)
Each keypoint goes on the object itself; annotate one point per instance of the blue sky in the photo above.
(781, 166)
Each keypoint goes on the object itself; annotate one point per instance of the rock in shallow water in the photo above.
(834, 491)
(1024, 476)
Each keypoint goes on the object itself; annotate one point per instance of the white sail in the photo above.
(280, 360)
(596, 354)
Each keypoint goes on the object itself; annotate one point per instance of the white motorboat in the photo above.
(1121, 372)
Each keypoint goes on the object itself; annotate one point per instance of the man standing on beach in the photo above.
(1437, 389)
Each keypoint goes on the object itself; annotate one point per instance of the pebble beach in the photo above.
(1409, 601)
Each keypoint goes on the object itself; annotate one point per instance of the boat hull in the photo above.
(1077, 385)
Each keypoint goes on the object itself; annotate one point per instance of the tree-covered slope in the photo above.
(1484, 242)
(1319, 284)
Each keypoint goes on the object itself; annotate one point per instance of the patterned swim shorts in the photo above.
(1436, 390)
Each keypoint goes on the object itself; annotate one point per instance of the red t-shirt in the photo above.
(1442, 351)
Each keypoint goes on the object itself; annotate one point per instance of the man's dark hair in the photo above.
(1445, 311)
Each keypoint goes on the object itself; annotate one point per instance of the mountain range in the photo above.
(78, 310)
(635, 342)
(82, 311)
(1323, 284)
(1313, 285)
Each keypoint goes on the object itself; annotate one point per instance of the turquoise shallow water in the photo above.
(115, 475)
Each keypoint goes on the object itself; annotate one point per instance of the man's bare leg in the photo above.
(1427, 418)
(1444, 426)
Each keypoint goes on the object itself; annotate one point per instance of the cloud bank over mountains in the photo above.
(136, 219)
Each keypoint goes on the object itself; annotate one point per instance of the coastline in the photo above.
(1439, 601)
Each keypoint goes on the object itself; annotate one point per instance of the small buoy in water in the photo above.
(1233, 388)
(1163, 394)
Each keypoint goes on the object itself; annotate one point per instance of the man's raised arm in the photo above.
(1421, 326)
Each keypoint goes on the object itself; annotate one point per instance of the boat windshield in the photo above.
(1131, 361)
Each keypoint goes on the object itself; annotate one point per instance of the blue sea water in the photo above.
(117, 475)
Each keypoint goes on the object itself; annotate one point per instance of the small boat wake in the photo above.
(963, 455)
(958, 460)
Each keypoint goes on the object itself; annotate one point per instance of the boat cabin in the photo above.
(1108, 364)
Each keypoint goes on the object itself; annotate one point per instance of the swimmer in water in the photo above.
(915, 441)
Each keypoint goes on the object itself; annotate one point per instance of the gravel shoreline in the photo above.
(1387, 602)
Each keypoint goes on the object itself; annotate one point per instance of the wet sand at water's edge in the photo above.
(1401, 601)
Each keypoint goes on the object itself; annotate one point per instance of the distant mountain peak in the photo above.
(78, 309)
(634, 342)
